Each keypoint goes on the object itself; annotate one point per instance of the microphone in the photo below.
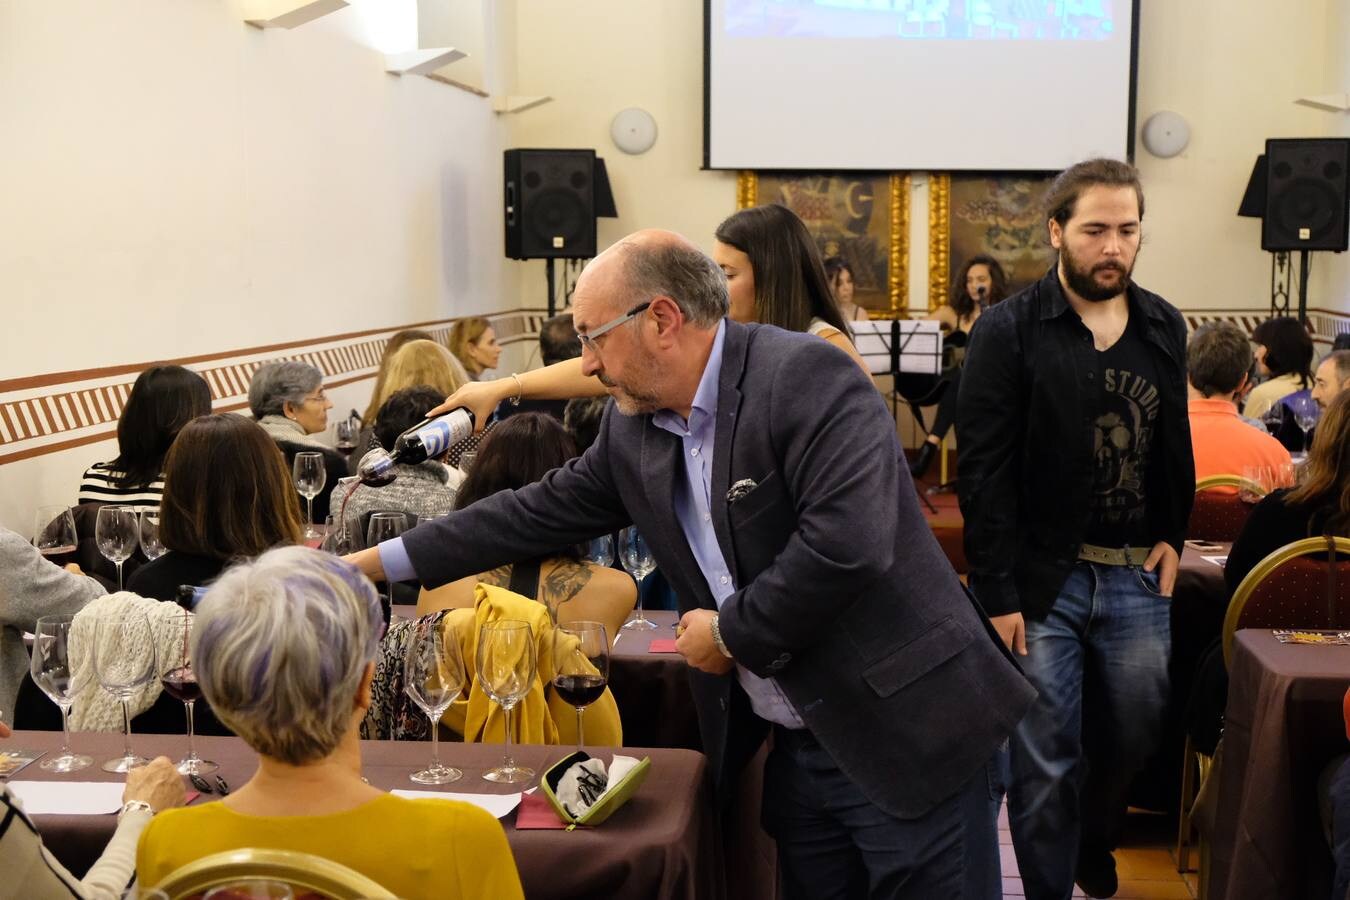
(980, 293)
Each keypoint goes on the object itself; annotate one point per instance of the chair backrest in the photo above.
(1291, 589)
(305, 873)
(1218, 514)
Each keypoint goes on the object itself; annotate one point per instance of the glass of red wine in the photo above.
(345, 432)
(54, 534)
(181, 683)
(580, 666)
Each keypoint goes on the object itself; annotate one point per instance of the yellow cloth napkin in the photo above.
(544, 718)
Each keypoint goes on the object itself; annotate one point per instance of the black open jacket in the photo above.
(1025, 426)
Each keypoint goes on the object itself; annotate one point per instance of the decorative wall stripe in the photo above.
(43, 414)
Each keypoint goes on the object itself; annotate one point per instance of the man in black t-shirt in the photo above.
(1076, 485)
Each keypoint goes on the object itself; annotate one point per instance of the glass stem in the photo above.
(641, 616)
(309, 510)
(65, 729)
(435, 744)
(119, 575)
(507, 761)
(581, 728)
(192, 750)
(126, 727)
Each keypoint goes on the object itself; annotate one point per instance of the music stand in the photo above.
(896, 346)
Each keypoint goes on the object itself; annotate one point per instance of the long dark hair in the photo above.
(520, 450)
(1326, 481)
(1289, 347)
(961, 302)
(790, 284)
(227, 490)
(162, 401)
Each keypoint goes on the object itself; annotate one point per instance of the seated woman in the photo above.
(1318, 506)
(426, 489)
(1284, 355)
(474, 344)
(979, 284)
(163, 400)
(840, 274)
(395, 343)
(227, 496)
(288, 401)
(27, 863)
(284, 650)
(420, 363)
(522, 450)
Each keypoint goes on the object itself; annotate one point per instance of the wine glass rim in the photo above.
(54, 618)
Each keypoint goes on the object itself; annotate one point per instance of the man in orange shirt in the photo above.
(1218, 358)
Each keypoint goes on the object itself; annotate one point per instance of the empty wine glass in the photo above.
(345, 433)
(600, 551)
(181, 683)
(310, 476)
(580, 666)
(151, 545)
(125, 660)
(1306, 412)
(117, 532)
(433, 674)
(506, 668)
(385, 526)
(637, 559)
(53, 672)
(54, 531)
(1256, 483)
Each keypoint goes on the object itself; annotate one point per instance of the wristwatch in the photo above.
(132, 806)
(717, 638)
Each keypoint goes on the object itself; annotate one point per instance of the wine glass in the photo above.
(1256, 483)
(310, 476)
(251, 889)
(433, 675)
(345, 433)
(637, 559)
(580, 666)
(1273, 418)
(151, 545)
(54, 534)
(385, 526)
(600, 551)
(125, 661)
(1306, 412)
(116, 532)
(506, 673)
(53, 671)
(466, 460)
(181, 683)
(338, 538)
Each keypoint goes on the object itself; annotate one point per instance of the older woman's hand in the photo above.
(158, 784)
(480, 398)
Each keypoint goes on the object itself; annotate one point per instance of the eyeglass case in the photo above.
(614, 797)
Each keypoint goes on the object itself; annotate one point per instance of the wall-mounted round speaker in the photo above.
(1166, 134)
(633, 130)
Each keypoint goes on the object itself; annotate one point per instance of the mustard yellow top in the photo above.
(414, 848)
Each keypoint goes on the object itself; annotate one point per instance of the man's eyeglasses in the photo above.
(590, 338)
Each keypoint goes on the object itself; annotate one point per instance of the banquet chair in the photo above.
(1291, 589)
(1219, 515)
(307, 875)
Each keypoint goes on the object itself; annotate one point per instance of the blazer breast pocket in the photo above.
(748, 505)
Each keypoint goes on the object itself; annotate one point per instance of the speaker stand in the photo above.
(1304, 265)
(552, 297)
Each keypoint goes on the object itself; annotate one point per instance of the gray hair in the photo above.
(279, 383)
(685, 274)
(280, 646)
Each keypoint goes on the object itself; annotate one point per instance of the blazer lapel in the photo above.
(734, 348)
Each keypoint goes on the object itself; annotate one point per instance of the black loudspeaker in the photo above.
(1253, 203)
(550, 204)
(1306, 199)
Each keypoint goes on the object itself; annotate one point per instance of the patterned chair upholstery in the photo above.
(1219, 513)
(1305, 584)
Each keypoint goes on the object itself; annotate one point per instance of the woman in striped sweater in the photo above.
(163, 400)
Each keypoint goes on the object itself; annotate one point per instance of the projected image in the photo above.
(1043, 20)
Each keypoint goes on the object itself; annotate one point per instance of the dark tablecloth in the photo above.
(1283, 725)
(662, 844)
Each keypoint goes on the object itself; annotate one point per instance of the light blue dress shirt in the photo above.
(693, 508)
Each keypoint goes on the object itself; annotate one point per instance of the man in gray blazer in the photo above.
(765, 472)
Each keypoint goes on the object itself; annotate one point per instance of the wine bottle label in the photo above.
(437, 435)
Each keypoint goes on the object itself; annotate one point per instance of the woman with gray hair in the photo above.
(284, 650)
(288, 400)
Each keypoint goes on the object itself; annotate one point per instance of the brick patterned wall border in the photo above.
(43, 414)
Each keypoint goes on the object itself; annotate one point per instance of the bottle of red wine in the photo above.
(427, 439)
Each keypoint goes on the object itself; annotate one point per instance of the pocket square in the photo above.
(740, 489)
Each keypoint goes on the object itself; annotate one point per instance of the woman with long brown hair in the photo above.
(227, 496)
(1319, 505)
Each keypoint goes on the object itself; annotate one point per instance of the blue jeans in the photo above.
(835, 843)
(1099, 662)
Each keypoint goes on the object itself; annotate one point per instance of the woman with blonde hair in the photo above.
(391, 346)
(418, 364)
(474, 344)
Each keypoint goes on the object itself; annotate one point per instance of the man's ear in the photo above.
(668, 317)
(1056, 234)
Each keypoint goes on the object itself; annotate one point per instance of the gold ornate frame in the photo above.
(897, 262)
(939, 248)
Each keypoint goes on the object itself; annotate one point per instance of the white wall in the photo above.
(178, 183)
(1334, 269)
